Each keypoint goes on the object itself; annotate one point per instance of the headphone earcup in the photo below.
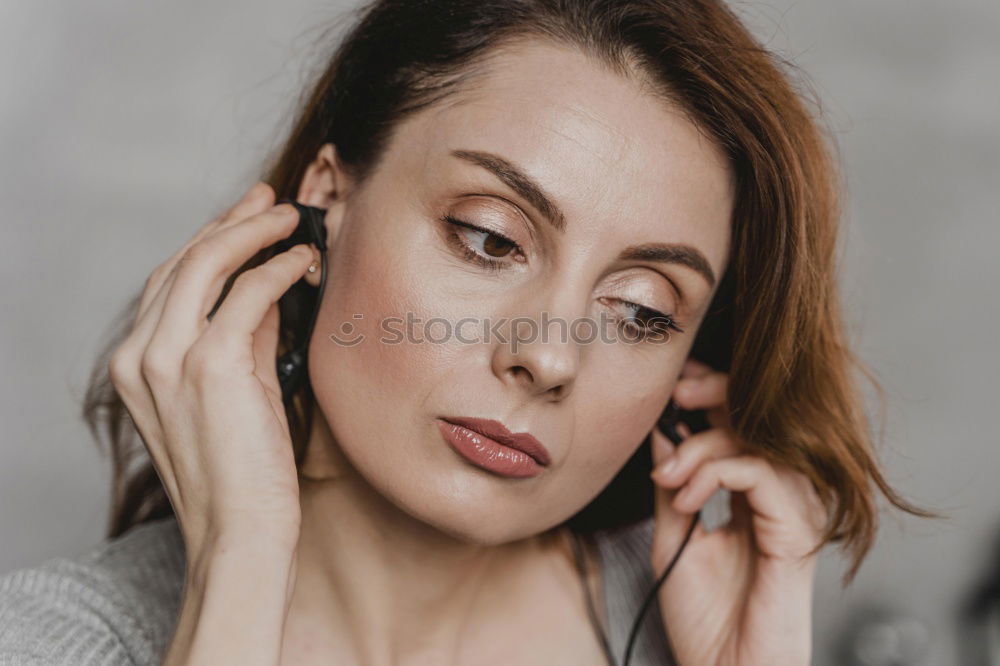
(291, 366)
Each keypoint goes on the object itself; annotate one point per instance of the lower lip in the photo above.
(487, 453)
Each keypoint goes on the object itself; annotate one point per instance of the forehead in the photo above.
(617, 160)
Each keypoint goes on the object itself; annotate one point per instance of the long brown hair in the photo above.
(775, 324)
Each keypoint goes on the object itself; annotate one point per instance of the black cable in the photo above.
(667, 424)
(653, 592)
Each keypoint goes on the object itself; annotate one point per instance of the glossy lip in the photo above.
(485, 453)
(522, 441)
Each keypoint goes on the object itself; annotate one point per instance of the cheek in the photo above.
(615, 415)
(368, 366)
(619, 402)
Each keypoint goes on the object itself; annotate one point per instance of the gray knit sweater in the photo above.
(117, 604)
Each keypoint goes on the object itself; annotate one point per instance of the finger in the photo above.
(694, 368)
(702, 392)
(696, 449)
(662, 447)
(208, 264)
(265, 344)
(145, 325)
(255, 201)
(134, 384)
(745, 473)
(670, 525)
(708, 392)
(813, 509)
(258, 198)
(265, 353)
(252, 295)
(148, 340)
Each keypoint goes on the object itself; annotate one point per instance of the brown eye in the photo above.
(495, 246)
(496, 250)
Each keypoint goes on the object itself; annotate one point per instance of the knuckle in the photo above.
(197, 362)
(196, 255)
(121, 367)
(712, 469)
(158, 276)
(205, 360)
(710, 444)
(758, 465)
(712, 466)
(705, 472)
(250, 278)
(152, 278)
(258, 276)
(156, 366)
(734, 444)
(723, 442)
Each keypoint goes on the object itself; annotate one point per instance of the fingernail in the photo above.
(662, 471)
(689, 388)
(662, 444)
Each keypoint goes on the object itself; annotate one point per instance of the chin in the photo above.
(465, 504)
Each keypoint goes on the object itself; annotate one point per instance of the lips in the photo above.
(496, 431)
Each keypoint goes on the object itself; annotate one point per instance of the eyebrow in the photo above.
(517, 180)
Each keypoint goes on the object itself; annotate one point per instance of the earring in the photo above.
(313, 266)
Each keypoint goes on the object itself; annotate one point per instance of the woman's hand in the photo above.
(740, 595)
(203, 393)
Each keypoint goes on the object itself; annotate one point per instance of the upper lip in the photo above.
(495, 430)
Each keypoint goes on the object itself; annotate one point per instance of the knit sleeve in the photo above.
(59, 613)
(113, 606)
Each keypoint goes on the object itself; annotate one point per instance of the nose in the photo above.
(539, 356)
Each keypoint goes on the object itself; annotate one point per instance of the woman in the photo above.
(642, 162)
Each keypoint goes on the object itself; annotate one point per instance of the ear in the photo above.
(324, 185)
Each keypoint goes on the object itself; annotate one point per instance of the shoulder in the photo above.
(116, 604)
(627, 578)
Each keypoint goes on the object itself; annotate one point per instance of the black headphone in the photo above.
(292, 367)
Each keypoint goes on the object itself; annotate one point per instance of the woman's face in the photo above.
(619, 169)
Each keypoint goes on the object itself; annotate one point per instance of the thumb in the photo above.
(669, 525)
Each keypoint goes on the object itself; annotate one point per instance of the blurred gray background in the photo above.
(125, 126)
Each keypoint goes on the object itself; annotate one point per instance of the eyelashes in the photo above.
(643, 323)
(652, 321)
(487, 262)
